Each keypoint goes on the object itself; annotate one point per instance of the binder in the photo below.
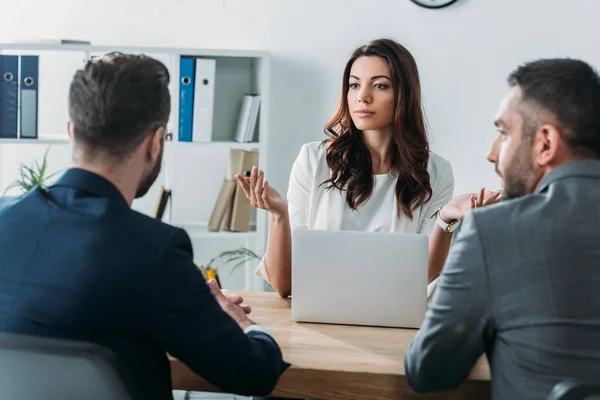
(163, 199)
(247, 118)
(243, 118)
(253, 118)
(204, 96)
(227, 217)
(240, 162)
(9, 84)
(222, 205)
(186, 98)
(29, 96)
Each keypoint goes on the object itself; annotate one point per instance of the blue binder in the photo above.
(29, 97)
(9, 84)
(186, 98)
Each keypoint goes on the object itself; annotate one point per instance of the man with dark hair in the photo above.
(78, 263)
(521, 282)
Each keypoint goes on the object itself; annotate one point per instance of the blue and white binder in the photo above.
(9, 85)
(204, 97)
(186, 98)
(28, 81)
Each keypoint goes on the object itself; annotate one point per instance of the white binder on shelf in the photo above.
(204, 99)
(253, 118)
(247, 118)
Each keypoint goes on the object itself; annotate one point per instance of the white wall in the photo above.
(464, 54)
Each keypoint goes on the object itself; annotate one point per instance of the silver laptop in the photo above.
(359, 278)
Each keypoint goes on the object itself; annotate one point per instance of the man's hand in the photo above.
(237, 300)
(233, 310)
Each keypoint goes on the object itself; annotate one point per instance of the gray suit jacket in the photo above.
(522, 284)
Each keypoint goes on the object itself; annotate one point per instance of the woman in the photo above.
(374, 173)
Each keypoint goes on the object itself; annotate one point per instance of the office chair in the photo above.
(34, 368)
(573, 390)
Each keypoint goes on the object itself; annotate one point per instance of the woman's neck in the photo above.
(379, 143)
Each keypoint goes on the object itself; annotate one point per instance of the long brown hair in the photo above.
(349, 158)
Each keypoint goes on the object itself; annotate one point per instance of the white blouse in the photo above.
(367, 217)
(312, 206)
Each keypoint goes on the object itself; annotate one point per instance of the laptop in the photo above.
(359, 278)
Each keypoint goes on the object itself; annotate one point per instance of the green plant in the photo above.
(32, 176)
(239, 256)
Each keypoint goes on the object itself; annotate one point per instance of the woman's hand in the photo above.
(261, 195)
(458, 206)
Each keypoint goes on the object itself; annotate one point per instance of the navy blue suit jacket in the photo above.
(77, 262)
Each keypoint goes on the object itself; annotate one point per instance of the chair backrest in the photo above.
(573, 390)
(33, 368)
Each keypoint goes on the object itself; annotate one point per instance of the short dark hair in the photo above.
(115, 101)
(569, 90)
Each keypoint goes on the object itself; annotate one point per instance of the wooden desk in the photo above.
(335, 361)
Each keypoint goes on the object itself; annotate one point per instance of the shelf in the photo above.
(35, 141)
(131, 49)
(219, 143)
(200, 231)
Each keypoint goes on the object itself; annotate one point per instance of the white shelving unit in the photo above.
(201, 231)
(193, 170)
(34, 141)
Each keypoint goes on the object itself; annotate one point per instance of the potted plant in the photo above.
(29, 177)
(237, 257)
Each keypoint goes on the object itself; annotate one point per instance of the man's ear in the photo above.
(546, 145)
(156, 143)
(70, 131)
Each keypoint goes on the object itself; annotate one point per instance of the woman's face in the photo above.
(371, 99)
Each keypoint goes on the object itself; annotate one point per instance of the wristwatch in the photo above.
(446, 226)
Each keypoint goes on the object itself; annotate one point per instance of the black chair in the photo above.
(573, 390)
(33, 368)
